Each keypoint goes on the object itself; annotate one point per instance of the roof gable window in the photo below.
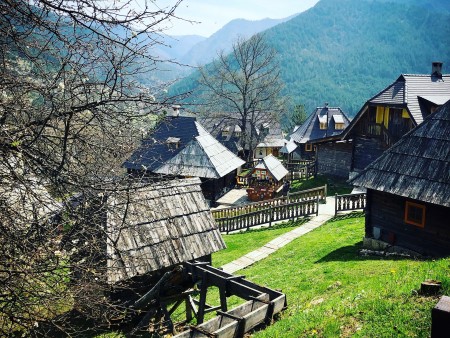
(338, 122)
(173, 142)
(323, 121)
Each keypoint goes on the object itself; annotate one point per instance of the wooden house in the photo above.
(268, 137)
(271, 140)
(408, 189)
(267, 179)
(393, 112)
(180, 147)
(324, 122)
(155, 227)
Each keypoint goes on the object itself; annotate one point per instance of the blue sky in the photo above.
(214, 14)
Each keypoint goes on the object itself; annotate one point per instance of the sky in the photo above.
(212, 15)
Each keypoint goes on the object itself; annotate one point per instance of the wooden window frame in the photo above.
(418, 206)
(308, 147)
(339, 126)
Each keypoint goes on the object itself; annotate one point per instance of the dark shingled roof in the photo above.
(157, 227)
(154, 151)
(407, 89)
(417, 166)
(310, 130)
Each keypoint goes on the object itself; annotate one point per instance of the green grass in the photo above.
(334, 292)
(244, 242)
(334, 185)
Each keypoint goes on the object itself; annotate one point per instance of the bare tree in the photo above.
(245, 85)
(70, 111)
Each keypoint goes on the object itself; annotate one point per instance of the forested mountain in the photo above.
(345, 51)
(206, 50)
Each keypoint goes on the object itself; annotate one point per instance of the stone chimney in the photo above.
(436, 69)
(176, 110)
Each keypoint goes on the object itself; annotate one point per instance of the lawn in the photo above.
(244, 242)
(334, 185)
(332, 291)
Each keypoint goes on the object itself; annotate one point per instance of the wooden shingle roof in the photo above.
(205, 157)
(407, 89)
(158, 226)
(154, 150)
(274, 166)
(310, 129)
(417, 166)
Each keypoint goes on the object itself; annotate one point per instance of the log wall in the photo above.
(386, 212)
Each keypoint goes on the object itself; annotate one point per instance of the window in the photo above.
(338, 126)
(323, 122)
(415, 214)
(308, 147)
(173, 143)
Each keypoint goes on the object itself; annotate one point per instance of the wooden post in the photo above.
(317, 206)
(335, 204)
(223, 298)
(270, 216)
(201, 308)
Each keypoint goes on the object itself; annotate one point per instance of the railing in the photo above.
(304, 195)
(271, 213)
(349, 202)
(294, 205)
(309, 194)
(301, 171)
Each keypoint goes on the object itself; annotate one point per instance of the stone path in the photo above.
(326, 212)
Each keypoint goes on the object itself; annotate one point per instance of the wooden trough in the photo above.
(263, 303)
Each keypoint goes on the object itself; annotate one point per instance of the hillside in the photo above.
(206, 50)
(344, 52)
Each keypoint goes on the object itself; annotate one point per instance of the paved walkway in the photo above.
(326, 212)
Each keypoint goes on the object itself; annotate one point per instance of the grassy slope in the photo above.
(334, 185)
(333, 292)
(242, 243)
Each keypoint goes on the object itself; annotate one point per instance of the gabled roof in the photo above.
(158, 226)
(310, 129)
(406, 92)
(154, 150)
(203, 156)
(274, 166)
(417, 166)
(288, 148)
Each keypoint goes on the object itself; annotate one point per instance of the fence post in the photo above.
(335, 204)
(317, 205)
(326, 191)
(271, 216)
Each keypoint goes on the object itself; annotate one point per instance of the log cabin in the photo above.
(408, 190)
(179, 146)
(390, 114)
(323, 123)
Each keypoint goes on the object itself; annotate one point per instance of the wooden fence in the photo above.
(349, 202)
(303, 170)
(271, 213)
(294, 205)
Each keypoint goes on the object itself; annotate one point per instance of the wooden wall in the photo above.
(366, 150)
(386, 212)
(334, 159)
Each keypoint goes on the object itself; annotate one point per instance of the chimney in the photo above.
(436, 69)
(176, 110)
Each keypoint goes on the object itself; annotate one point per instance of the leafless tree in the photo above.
(70, 113)
(245, 86)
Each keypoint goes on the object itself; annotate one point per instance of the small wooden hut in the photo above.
(408, 190)
(267, 179)
(157, 227)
